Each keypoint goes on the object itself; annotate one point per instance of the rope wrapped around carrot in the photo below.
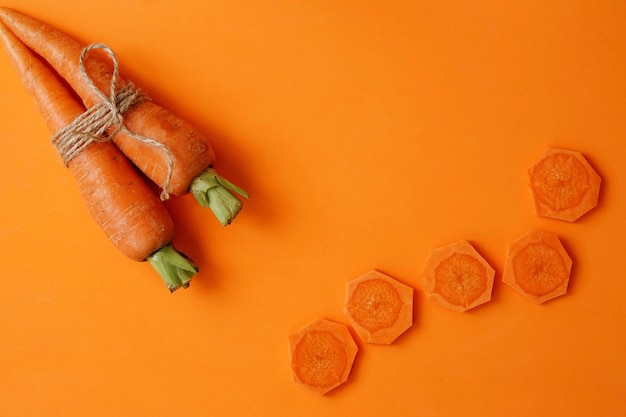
(192, 156)
(116, 196)
(105, 119)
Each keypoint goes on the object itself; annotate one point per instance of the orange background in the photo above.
(367, 134)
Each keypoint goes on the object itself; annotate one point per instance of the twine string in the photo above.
(102, 121)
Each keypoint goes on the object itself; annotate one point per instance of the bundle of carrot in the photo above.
(117, 197)
(166, 148)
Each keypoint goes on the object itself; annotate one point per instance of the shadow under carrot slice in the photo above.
(121, 203)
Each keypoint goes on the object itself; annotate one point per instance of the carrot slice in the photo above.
(563, 184)
(457, 277)
(185, 166)
(537, 266)
(121, 203)
(378, 307)
(322, 354)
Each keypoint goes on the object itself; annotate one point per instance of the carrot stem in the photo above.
(175, 268)
(216, 192)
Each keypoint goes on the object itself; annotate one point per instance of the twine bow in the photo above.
(102, 121)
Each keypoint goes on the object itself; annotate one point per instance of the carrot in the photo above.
(322, 354)
(537, 266)
(378, 307)
(456, 276)
(122, 204)
(563, 184)
(184, 161)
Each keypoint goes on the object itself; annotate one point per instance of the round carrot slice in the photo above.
(378, 307)
(537, 266)
(322, 354)
(563, 184)
(457, 277)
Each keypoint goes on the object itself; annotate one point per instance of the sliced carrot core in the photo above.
(320, 359)
(460, 279)
(564, 186)
(539, 269)
(379, 307)
(375, 304)
(321, 355)
(560, 181)
(537, 266)
(457, 277)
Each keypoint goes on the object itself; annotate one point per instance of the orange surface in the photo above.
(367, 134)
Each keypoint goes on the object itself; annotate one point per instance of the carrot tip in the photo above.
(213, 191)
(175, 268)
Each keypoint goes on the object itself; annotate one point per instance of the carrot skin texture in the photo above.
(129, 212)
(125, 208)
(190, 156)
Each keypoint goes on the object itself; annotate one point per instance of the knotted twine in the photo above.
(105, 119)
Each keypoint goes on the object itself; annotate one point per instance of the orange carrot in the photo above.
(378, 307)
(563, 184)
(184, 161)
(122, 204)
(456, 276)
(537, 266)
(321, 355)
